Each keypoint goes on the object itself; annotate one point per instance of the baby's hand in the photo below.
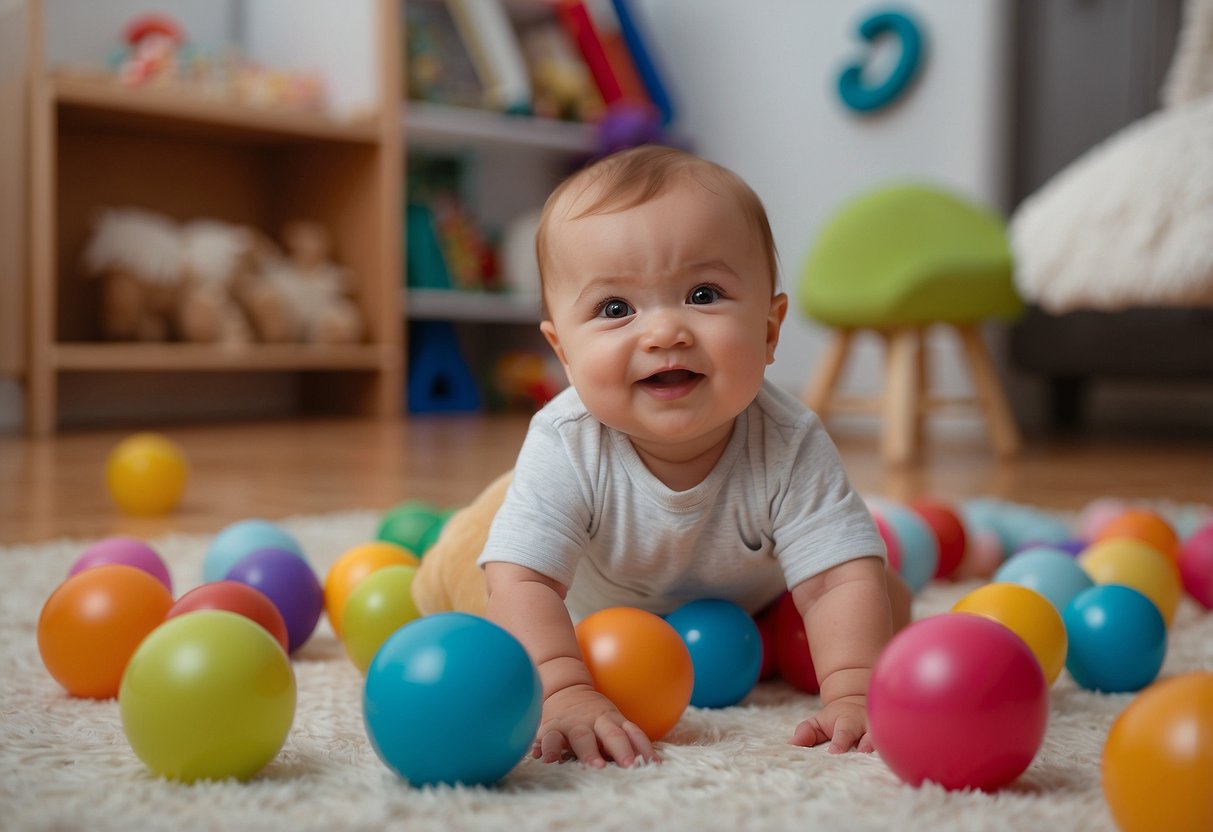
(844, 722)
(580, 721)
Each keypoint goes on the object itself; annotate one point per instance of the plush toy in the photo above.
(448, 577)
(164, 281)
(301, 296)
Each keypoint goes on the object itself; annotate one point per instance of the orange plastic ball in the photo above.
(1146, 526)
(91, 625)
(352, 567)
(1158, 759)
(1135, 564)
(640, 663)
(146, 474)
(1027, 614)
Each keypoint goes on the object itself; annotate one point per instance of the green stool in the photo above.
(898, 261)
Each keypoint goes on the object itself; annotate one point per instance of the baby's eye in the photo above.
(615, 309)
(703, 295)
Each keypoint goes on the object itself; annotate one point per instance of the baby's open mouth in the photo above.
(671, 378)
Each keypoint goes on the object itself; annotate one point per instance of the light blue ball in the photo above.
(1117, 639)
(451, 698)
(243, 538)
(725, 648)
(1051, 572)
(919, 546)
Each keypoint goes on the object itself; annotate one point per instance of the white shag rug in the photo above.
(65, 763)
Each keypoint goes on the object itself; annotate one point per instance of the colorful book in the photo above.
(610, 35)
(643, 59)
(489, 35)
(576, 20)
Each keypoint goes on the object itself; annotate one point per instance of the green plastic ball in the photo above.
(413, 524)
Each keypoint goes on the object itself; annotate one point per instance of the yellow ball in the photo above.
(146, 474)
(1028, 614)
(379, 606)
(1137, 565)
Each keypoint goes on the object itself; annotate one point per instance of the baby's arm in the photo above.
(848, 620)
(576, 718)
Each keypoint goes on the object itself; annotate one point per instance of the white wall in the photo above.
(755, 85)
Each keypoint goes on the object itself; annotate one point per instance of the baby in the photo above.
(670, 470)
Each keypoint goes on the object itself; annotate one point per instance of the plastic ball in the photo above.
(1027, 614)
(413, 524)
(891, 546)
(983, 556)
(725, 648)
(1118, 639)
(242, 538)
(288, 581)
(127, 551)
(792, 653)
(1158, 758)
(92, 623)
(452, 698)
(209, 695)
(919, 546)
(641, 664)
(146, 474)
(352, 567)
(1147, 526)
(378, 607)
(233, 596)
(949, 533)
(765, 622)
(958, 700)
(1196, 565)
(1049, 571)
(1097, 514)
(1136, 564)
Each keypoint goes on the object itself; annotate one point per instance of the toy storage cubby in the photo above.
(93, 143)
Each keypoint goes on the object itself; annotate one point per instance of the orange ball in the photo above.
(91, 625)
(640, 663)
(1146, 526)
(352, 567)
(1158, 758)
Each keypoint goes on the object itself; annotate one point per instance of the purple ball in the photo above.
(125, 551)
(288, 581)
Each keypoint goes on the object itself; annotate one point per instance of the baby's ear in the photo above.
(779, 310)
(549, 332)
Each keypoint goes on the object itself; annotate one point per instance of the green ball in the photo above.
(431, 536)
(379, 606)
(208, 695)
(412, 524)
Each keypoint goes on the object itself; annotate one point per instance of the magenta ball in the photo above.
(958, 700)
(125, 551)
(287, 580)
(1196, 565)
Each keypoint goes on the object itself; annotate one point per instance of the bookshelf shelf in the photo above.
(472, 307)
(442, 126)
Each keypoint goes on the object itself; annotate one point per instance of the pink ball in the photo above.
(126, 551)
(890, 542)
(1196, 565)
(1097, 514)
(958, 700)
(983, 555)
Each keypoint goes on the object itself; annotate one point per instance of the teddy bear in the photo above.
(301, 296)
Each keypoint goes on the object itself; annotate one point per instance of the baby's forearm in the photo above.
(848, 620)
(535, 614)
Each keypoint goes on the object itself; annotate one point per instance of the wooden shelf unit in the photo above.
(92, 143)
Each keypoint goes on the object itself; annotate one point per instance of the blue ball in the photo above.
(919, 546)
(451, 698)
(1117, 639)
(725, 648)
(240, 539)
(1049, 571)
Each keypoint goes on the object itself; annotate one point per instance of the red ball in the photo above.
(766, 629)
(958, 700)
(233, 596)
(792, 646)
(949, 531)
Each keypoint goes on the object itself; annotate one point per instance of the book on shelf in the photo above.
(438, 68)
(606, 25)
(488, 33)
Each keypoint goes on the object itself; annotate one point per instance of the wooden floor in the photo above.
(55, 488)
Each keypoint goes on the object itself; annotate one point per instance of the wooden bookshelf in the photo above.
(92, 143)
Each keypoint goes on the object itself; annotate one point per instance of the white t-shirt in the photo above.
(585, 511)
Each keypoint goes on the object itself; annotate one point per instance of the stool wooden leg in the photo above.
(820, 389)
(922, 410)
(900, 411)
(1004, 433)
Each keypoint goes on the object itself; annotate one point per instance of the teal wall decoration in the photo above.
(864, 97)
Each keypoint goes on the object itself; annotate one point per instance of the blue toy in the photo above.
(240, 539)
(440, 380)
(1117, 636)
(1048, 570)
(725, 648)
(451, 698)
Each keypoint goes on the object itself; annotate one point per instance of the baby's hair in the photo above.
(633, 177)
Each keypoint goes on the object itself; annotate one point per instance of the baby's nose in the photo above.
(666, 329)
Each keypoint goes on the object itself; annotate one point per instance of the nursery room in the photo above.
(402, 403)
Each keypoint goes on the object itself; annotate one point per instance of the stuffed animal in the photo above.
(302, 296)
(163, 281)
(448, 577)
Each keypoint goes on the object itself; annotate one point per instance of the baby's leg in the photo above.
(448, 577)
(899, 599)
